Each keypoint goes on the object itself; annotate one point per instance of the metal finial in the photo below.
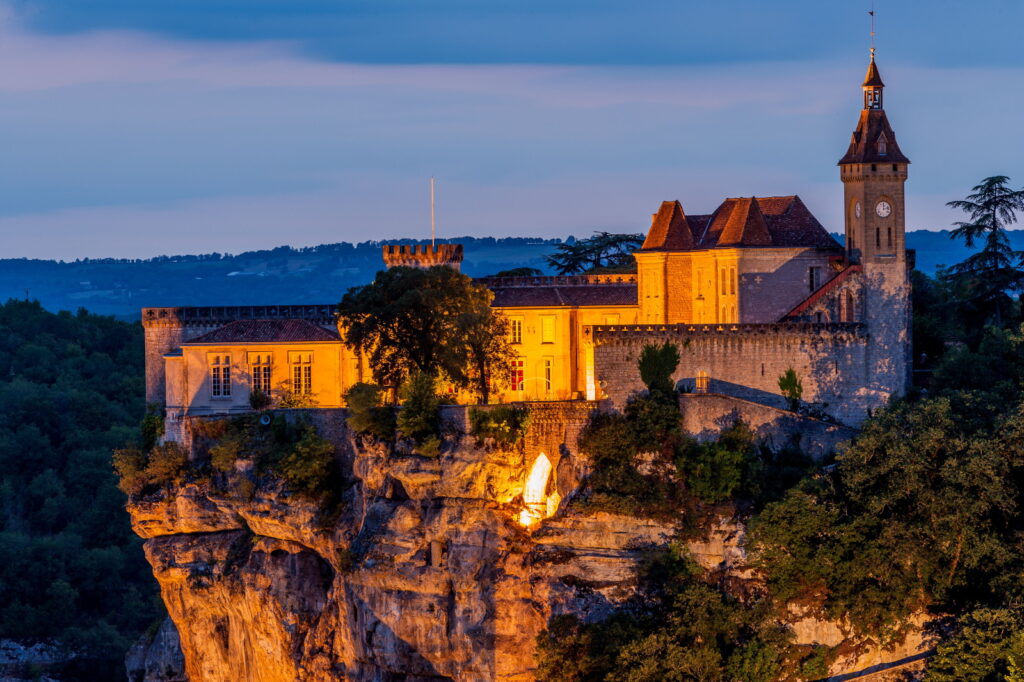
(871, 12)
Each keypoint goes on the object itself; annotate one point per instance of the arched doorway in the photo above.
(538, 503)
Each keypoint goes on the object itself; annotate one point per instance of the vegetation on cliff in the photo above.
(71, 570)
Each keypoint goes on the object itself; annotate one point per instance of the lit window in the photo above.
(518, 374)
(302, 373)
(547, 328)
(260, 364)
(220, 376)
(516, 330)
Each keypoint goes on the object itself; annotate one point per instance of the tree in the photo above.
(657, 363)
(604, 250)
(995, 270)
(792, 388)
(434, 320)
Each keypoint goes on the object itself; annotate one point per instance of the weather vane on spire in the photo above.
(871, 12)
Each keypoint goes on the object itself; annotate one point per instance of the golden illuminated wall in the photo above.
(191, 379)
(549, 344)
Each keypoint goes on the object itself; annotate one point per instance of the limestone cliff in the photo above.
(424, 574)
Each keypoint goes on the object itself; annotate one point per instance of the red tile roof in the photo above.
(758, 221)
(267, 331)
(670, 230)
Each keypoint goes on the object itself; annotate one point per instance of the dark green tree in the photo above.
(434, 320)
(603, 251)
(990, 274)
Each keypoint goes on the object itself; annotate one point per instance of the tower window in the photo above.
(878, 237)
(894, 168)
(890, 235)
(874, 167)
(732, 281)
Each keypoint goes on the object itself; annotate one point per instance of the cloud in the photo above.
(124, 143)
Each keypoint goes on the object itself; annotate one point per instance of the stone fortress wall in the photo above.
(745, 362)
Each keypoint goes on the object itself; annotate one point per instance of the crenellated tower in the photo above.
(423, 255)
(874, 172)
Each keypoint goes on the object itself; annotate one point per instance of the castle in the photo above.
(747, 292)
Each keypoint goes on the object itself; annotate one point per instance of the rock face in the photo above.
(424, 575)
(157, 658)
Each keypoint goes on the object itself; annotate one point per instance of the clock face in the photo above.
(856, 209)
(883, 209)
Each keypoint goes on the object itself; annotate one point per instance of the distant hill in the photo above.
(286, 275)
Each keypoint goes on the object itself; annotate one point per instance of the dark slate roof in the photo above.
(670, 230)
(578, 295)
(872, 125)
(873, 78)
(267, 331)
(761, 221)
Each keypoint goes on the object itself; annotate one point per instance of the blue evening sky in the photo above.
(135, 128)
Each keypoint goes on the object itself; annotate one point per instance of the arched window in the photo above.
(703, 382)
(846, 306)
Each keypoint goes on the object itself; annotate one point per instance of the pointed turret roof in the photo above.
(742, 224)
(873, 78)
(670, 230)
(872, 128)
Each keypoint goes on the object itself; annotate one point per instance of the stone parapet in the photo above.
(422, 255)
(631, 332)
(206, 316)
(556, 280)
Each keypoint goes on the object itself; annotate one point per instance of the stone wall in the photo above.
(705, 415)
(746, 361)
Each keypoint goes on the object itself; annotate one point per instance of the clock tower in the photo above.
(873, 172)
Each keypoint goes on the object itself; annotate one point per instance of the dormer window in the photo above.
(882, 145)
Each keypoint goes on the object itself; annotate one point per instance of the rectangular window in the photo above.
(878, 237)
(725, 283)
(812, 278)
(220, 375)
(890, 235)
(518, 374)
(259, 364)
(302, 372)
(549, 370)
(700, 283)
(516, 329)
(732, 281)
(547, 328)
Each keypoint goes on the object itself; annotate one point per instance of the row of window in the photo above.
(261, 373)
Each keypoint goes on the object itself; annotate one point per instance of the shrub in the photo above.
(419, 417)
(166, 464)
(292, 400)
(309, 467)
(792, 388)
(367, 414)
(429, 446)
(506, 424)
(152, 426)
(654, 421)
(224, 454)
(657, 363)
(714, 472)
(130, 466)
(259, 400)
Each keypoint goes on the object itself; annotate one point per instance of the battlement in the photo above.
(612, 333)
(556, 280)
(206, 316)
(422, 255)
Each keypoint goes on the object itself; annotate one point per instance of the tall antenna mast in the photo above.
(433, 224)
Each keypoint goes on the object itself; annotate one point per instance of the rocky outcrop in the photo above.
(423, 574)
